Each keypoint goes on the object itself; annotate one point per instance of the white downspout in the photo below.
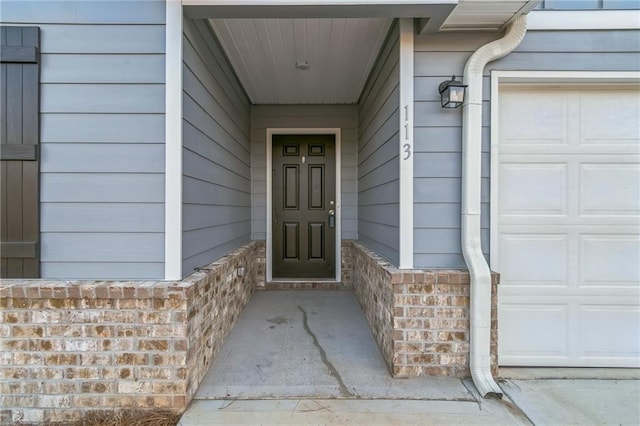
(480, 338)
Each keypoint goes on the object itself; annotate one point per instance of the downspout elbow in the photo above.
(479, 272)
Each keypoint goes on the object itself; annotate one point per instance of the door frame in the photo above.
(337, 133)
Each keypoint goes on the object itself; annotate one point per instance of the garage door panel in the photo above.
(610, 260)
(567, 242)
(533, 189)
(548, 127)
(610, 117)
(610, 189)
(601, 337)
(534, 260)
(524, 323)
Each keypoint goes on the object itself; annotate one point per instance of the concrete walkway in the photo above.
(308, 357)
(350, 412)
(310, 344)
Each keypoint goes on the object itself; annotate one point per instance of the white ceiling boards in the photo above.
(321, 51)
(302, 61)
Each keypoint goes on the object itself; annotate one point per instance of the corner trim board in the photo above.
(406, 144)
(173, 142)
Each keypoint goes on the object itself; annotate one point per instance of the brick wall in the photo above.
(371, 280)
(420, 319)
(71, 346)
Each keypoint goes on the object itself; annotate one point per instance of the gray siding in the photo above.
(301, 116)
(378, 163)
(437, 163)
(102, 119)
(216, 155)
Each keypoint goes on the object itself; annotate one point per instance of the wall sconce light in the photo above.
(451, 93)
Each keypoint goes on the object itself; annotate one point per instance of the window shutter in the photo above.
(19, 154)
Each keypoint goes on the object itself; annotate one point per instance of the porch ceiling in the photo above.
(339, 54)
(321, 52)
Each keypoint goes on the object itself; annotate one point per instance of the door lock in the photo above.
(332, 218)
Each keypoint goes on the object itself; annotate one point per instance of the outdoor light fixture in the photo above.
(451, 93)
(303, 65)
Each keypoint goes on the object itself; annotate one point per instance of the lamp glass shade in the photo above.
(456, 94)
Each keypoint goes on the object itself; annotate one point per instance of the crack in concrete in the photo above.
(344, 391)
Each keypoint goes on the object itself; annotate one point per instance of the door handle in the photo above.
(332, 218)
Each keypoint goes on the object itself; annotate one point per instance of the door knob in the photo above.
(332, 218)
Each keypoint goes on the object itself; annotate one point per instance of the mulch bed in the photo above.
(122, 418)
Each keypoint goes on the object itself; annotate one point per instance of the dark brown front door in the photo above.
(304, 206)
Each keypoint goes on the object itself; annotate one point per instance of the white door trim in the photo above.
(533, 77)
(337, 132)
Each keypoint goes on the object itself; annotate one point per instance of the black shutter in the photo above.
(19, 154)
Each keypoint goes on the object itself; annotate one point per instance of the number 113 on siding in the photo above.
(406, 149)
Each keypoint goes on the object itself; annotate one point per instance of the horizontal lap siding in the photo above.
(438, 132)
(304, 116)
(378, 163)
(216, 157)
(102, 134)
(575, 50)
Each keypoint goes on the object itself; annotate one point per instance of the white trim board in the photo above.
(584, 20)
(337, 132)
(406, 145)
(311, 2)
(533, 77)
(173, 143)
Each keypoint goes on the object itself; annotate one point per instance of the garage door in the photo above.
(567, 241)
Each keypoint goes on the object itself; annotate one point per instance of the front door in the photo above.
(304, 206)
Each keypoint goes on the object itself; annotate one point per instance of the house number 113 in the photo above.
(407, 151)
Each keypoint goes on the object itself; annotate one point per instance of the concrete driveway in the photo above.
(574, 396)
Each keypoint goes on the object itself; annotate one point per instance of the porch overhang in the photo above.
(321, 51)
(485, 15)
(433, 15)
(436, 10)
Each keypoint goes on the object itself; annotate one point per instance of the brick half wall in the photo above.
(419, 318)
(67, 347)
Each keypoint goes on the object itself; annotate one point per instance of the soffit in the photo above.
(339, 39)
(339, 52)
(486, 15)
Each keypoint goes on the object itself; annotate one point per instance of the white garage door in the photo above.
(568, 221)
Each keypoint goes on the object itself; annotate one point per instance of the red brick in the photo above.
(74, 292)
(102, 292)
(18, 292)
